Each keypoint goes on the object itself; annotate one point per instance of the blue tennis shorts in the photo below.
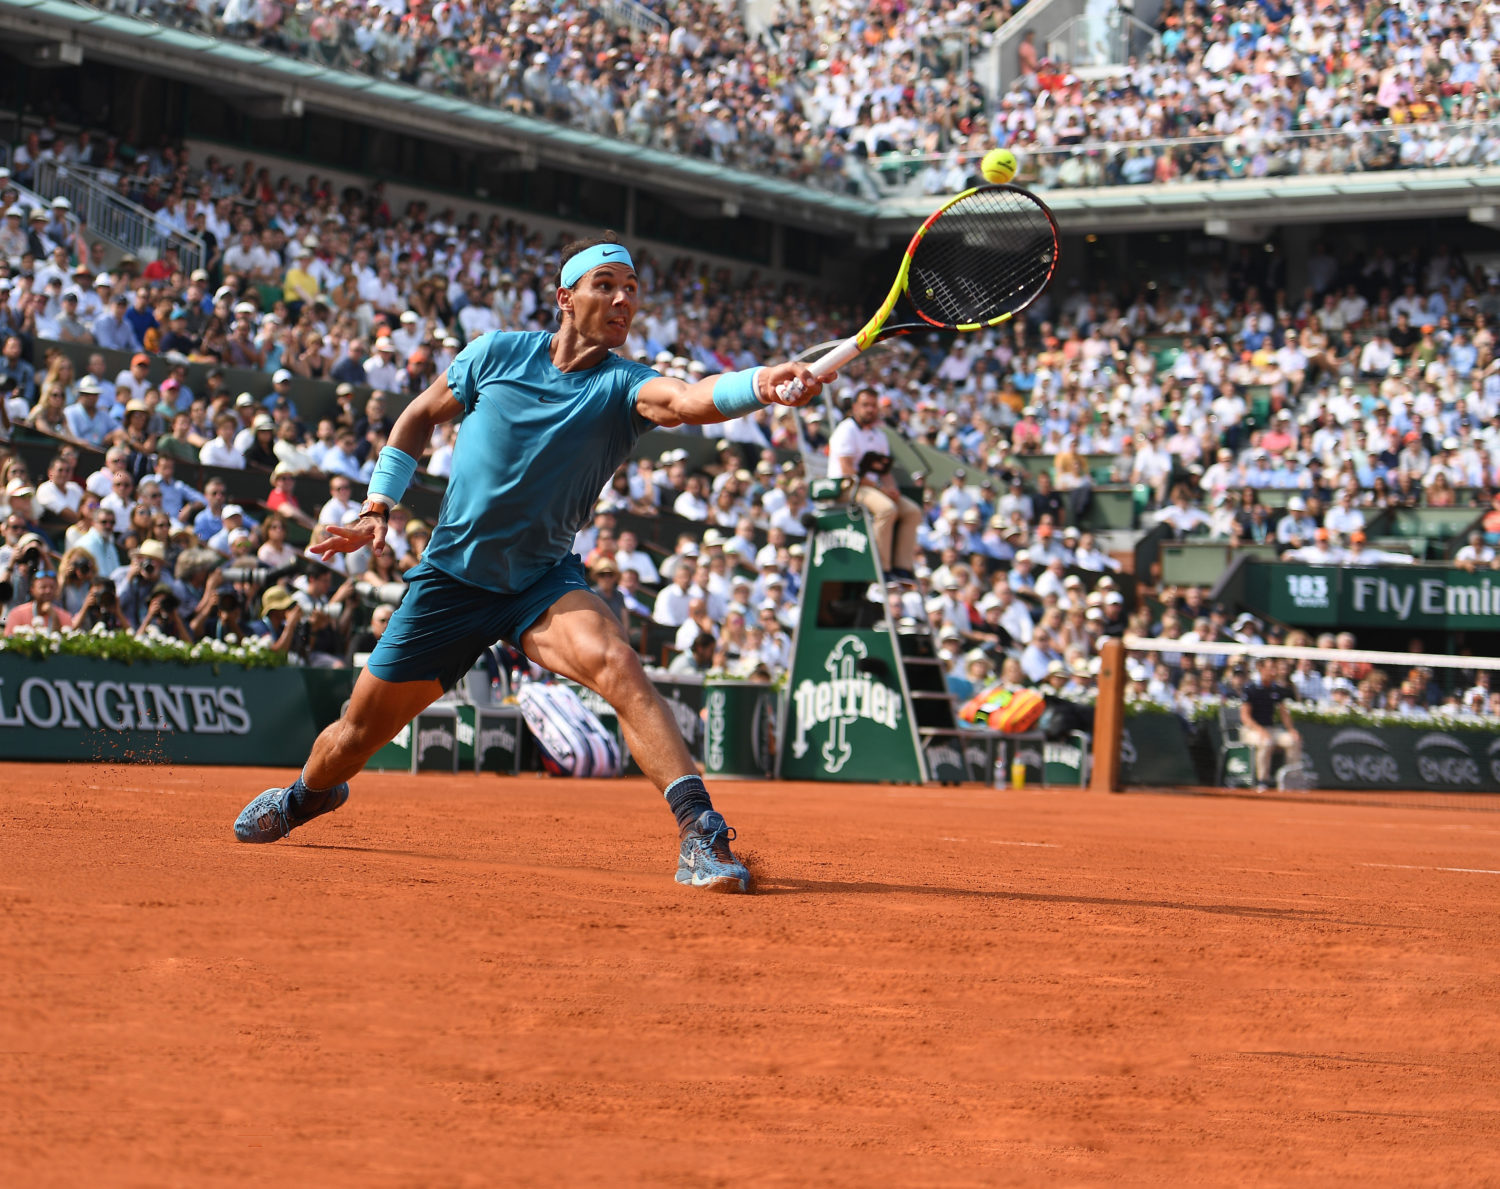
(443, 625)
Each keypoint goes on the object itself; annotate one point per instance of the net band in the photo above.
(1293, 653)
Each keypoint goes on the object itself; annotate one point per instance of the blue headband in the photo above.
(593, 257)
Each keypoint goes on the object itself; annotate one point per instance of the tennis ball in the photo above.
(998, 166)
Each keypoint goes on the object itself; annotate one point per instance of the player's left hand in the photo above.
(791, 383)
(348, 538)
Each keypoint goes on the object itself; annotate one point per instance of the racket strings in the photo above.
(986, 256)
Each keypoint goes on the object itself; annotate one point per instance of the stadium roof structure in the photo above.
(1247, 209)
(1244, 210)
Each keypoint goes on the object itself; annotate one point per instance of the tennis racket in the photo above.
(979, 260)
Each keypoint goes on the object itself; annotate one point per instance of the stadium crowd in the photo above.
(687, 76)
(1266, 90)
(827, 91)
(1374, 385)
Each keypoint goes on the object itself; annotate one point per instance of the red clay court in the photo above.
(477, 981)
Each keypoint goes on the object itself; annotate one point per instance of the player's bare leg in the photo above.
(377, 711)
(579, 639)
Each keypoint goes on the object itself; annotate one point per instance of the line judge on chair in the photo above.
(859, 449)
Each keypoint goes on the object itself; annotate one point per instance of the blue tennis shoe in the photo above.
(277, 812)
(705, 860)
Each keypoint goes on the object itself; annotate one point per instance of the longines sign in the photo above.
(73, 708)
(117, 706)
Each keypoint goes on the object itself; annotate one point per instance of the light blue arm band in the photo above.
(734, 393)
(393, 471)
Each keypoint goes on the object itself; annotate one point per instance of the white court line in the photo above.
(1411, 867)
(1004, 842)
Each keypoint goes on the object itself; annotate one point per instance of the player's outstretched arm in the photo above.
(667, 402)
(409, 437)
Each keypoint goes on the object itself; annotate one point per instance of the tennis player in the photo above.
(548, 417)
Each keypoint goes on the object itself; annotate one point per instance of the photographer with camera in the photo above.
(221, 612)
(283, 617)
(328, 616)
(21, 562)
(75, 574)
(41, 611)
(137, 586)
(101, 607)
(163, 612)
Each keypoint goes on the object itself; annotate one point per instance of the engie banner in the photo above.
(1438, 757)
(74, 708)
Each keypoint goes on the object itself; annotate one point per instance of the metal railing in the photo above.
(634, 14)
(1102, 39)
(1246, 154)
(112, 217)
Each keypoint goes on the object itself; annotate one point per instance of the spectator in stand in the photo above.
(219, 451)
(696, 659)
(111, 330)
(343, 458)
(674, 602)
(275, 552)
(260, 454)
(59, 496)
(231, 519)
(341, 504)
(208, 521)
(86, 421)
(41, 612)
(283, 497)
(604, 576)
(99, 540)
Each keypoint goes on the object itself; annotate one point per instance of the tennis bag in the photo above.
(571, 739)
(1000, 709)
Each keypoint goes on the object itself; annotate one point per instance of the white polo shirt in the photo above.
(849, 444)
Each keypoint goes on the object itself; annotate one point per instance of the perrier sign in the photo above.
(847, 713)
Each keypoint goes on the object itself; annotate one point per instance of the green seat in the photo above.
(829, 491)
(1236, 757)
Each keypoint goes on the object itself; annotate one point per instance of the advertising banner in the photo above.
(1376, 597)
(739, 729)
(1435, 757)
(1154, 751)
(76, 708)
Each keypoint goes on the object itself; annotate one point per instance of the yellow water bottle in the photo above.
(1018, 772)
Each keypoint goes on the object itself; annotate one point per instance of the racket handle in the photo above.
(824, 366)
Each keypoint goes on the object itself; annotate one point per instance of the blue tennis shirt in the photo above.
(537, 447)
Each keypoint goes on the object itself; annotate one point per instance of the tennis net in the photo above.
(1303, 721)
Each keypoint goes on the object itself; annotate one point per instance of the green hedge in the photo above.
(99, 644)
